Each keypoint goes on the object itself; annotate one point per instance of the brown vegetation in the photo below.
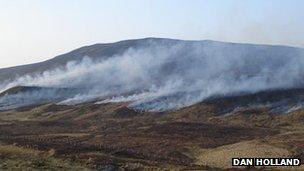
(114, 136)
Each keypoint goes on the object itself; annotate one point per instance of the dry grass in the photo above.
(221, 156)
(19, 158)
(147, 141)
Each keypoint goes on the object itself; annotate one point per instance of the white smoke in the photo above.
(160, 77)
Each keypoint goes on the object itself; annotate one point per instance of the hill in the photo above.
(154, 104)
(107, 50)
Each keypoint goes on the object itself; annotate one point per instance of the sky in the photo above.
(37, 30)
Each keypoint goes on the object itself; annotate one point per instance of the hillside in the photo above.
(200, 137)
(107, 50)
(154, 104)
(157, 74)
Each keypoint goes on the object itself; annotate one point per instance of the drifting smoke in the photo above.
(162, 76)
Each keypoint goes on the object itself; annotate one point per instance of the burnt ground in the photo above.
(113, 136)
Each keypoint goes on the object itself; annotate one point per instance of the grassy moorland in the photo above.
(115, 137)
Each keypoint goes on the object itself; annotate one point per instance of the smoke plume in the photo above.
(162, 76)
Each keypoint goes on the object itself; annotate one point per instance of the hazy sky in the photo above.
(36, 30)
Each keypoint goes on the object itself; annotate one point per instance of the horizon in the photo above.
(34, 31)
(68, 51)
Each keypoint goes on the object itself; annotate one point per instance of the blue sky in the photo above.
(36, 30)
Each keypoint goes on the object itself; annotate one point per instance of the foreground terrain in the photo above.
(113, 136)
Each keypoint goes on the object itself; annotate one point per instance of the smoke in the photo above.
(162, 76)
